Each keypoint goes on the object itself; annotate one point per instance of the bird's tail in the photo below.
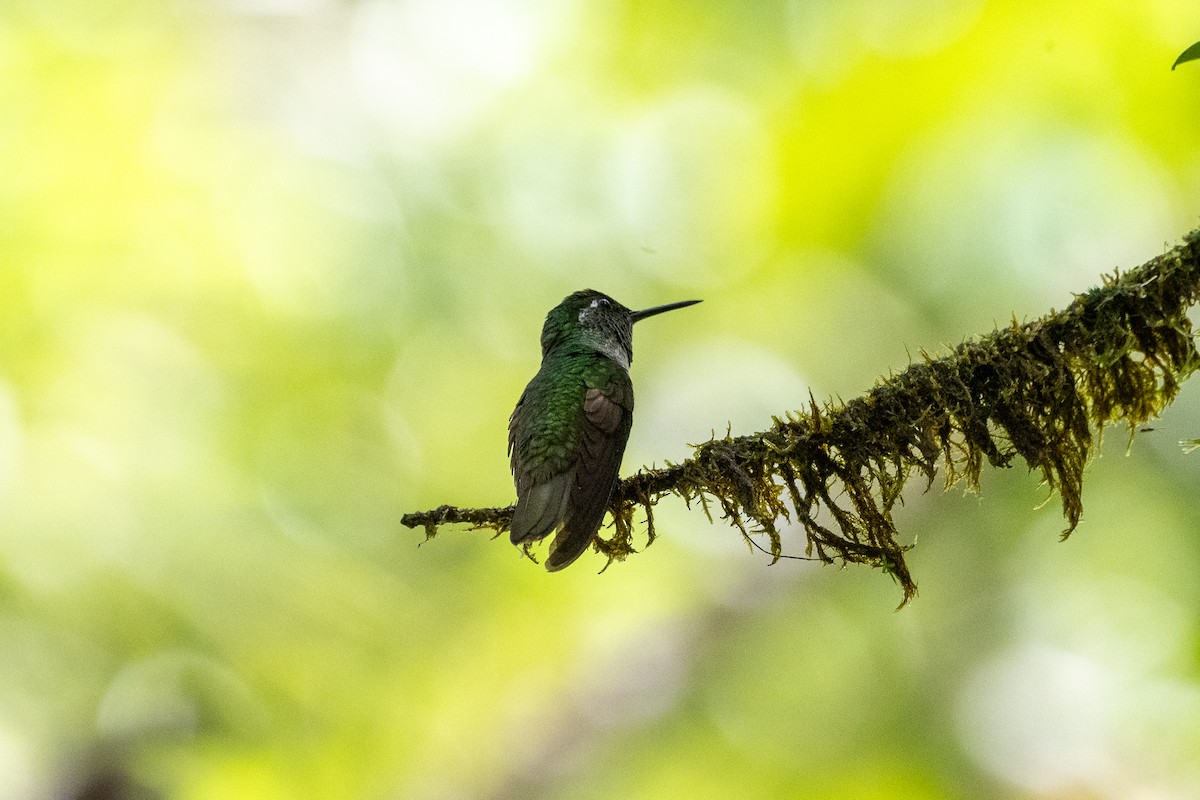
(540, 509)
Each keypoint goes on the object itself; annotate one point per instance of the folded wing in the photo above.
(608, 416)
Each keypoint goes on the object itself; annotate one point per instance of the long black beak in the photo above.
(650, 312)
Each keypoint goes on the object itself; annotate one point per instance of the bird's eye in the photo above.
(603, 301)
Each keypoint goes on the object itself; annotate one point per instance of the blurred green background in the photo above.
(272, 273)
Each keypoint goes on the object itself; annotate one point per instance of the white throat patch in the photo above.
(602, 344)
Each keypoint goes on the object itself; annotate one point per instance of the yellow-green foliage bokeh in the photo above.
(273, 273)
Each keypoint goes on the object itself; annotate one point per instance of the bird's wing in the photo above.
(541, 446)
(607, 418)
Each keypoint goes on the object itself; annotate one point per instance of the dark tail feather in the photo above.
(540, 510)
(576, 534)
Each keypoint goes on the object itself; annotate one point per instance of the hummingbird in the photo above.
(568, 432)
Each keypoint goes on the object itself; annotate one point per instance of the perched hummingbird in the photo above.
(568, 432)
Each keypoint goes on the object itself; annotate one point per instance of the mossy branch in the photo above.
(1042, 391)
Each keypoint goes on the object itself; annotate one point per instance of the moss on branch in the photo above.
(1041, 391)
